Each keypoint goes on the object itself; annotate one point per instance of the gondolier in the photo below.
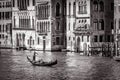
(34, 56)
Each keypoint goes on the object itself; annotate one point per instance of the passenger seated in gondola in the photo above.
(40, 61)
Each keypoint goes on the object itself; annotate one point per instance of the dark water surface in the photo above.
(71, 66)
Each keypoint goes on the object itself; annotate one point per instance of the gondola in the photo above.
(38, 63)
(117, 58)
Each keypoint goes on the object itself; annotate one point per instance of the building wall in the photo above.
(5, 23)
(78, 17)
(58, 24)
(23, 23)
(102, 22)
(70, 24)
(117, 23)
(43, 25)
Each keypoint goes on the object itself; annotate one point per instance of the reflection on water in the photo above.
(71, 66)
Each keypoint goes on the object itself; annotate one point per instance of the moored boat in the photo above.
(41, 63)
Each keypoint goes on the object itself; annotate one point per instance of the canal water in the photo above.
(71, 66)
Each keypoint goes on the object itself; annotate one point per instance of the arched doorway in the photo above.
(78, 44)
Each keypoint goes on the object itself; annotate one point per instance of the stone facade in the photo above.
(5, 23)
(117, 24)
(23, 21)
(89, 24)
(50, 22)
(43, 24)
(78, 25)
(102, 18)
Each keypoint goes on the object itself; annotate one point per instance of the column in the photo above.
(19, 21)
(48, 26)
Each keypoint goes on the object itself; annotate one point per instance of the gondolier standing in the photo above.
(34, 56)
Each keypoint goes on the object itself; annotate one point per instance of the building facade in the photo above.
(117, 25)
(23, 23)
(78, 25)
(102, 18)
(89, 24)
(5, 23)
(50, 23)
(43, 24)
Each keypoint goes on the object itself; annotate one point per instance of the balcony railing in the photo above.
(82, 31)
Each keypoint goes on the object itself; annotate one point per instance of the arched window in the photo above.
(85, 26)
(19, 36)
(74, 8)
(0, 5)
(43, 26)
(80, 7)
(16, 36)
(40, 27)
(85, 7)
(23, 36)
(57, 40)
(101, 6)
(96, 24)
(58, 26)
(95, 6)
(57, 9)
(38, 40)
(101, 24)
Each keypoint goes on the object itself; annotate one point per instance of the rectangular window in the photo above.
(33, 2)
(3, 36)
(112, 38)
(3, 15)
(57, 40)
(119, 23)
(69, 9)
(28, 41)
(28, 2)
(101, 38)
(95, 38)
(69, 26)
(74, 9)
(108, 38)
(0, 29)
(119, 8)
(112, 6)
(82, 38)
(24, 23)
(3, 28)
(0, 16)
(87, 38)
(38, 40)
(13, 2)
(69, 38)
(33, 42)
(112, 27)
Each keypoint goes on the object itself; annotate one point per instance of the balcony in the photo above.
(42, 33)
(82, 31)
